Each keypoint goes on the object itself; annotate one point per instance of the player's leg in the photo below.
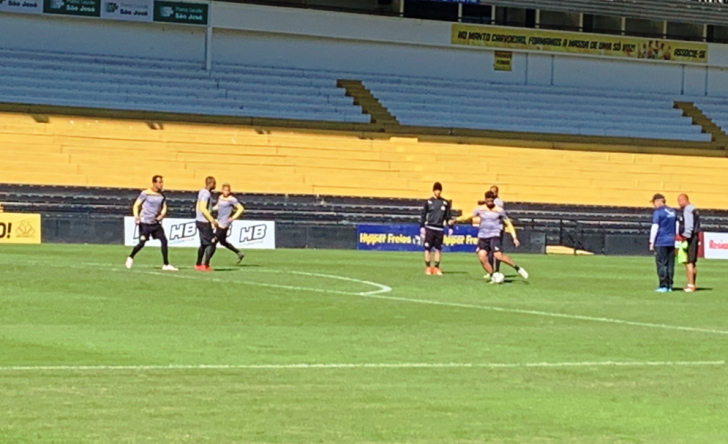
(165, 250)
(661, 262)
(502, 257)
(211, 243)
(201, 249)
(138, 247)
(221, 236)
(498, 255)
(437, 240)
(437, 255)
(428, 251)
(691, 267)
(496, 263)
(484, 261)
(670, 267)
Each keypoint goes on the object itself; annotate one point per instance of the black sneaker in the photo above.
(241, 256)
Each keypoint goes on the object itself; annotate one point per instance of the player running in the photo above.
(149, 209)
(205, 223)
(492, 219)
(433, 222)
(225, 217)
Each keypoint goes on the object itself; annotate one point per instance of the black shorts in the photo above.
(221, 233)
(693, 245)
(206, 234)
(433, 239)
(151, 231)
(490, 245)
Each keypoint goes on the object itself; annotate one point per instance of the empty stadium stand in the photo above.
(117, 83)
(172, 86)
(534, 109)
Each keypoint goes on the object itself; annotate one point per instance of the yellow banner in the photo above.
(18, 228)
(503, 61)
(579, 43)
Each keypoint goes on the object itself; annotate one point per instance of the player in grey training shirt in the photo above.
(498, 203)
(226, 204)
(492, 219)
(149, 210)
(205, 224)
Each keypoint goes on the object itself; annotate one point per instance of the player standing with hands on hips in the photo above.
(225, 217)
(662, 241)
(433, 222)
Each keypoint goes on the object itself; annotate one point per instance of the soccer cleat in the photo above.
(428, 271)
(241, 256)
(523, 273)
(200, 267)
(207, 268)
(169, 267)
(437, 271)
(129, 262)
(488, 277)
(662, 290)
(689, 289)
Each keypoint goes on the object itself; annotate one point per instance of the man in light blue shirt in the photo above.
(662, 241)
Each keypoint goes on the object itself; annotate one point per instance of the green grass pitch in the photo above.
(300, 346)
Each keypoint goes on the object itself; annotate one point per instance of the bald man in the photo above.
(689, 229)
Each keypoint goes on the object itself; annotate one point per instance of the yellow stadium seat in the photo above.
(121, 153)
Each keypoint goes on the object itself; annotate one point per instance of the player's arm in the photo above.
(423, 217)
(239, 209)
(163, 213)
(136, 208)
(689, 221)
(202, 208)
(510, 229)
(463, 218)
(654, 229)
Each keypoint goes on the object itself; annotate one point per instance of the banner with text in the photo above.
(579, 43)
(128, 10)
(84, 8)
(407, 238)
(250, 234)
(22, 6)
(715, 245)
(19, 228)
(181, 12)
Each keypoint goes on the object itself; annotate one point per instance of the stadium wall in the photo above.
(287, 37)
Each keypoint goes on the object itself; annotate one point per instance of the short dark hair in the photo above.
(489, 195)
(156, 178)
(209, 180)
(437, 186)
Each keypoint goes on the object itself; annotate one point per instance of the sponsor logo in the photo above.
(182, 231)
(713, 245)
(111, 7)
(252, 233)
(25, 229)
(166, 11)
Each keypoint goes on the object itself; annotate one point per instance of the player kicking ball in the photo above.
(492, 220)
(225, 217)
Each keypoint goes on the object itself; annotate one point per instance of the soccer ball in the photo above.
(498, 278)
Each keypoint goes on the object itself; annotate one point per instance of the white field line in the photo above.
(383, 288)
(402, 365)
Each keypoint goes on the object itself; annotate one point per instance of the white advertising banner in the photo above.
(128, 10)
(715, 245)
(246, 234)
(24, 6)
